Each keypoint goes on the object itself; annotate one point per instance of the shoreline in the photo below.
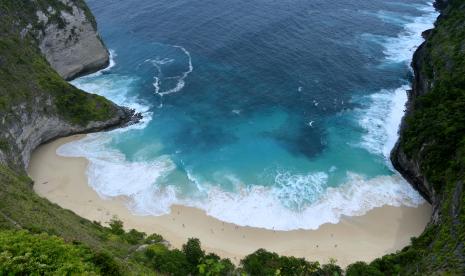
(63, 181)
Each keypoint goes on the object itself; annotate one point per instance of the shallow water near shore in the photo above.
(272, 114)
(383, 230)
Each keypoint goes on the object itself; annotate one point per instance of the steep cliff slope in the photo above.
(36, 104)
(66, 32)
(431, 150)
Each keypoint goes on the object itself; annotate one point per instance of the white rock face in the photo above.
(34, 126)
(73, 48)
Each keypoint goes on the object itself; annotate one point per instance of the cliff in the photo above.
(69, 39)
(36, 104)
(430, 153)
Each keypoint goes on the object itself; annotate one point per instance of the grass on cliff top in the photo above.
(27, 79)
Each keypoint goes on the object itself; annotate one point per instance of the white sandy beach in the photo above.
(63, 181)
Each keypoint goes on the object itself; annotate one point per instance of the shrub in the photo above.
(107, 264)
(134, 236)
(297, 266)
(212, 265)
(172, 262)
(193, 251)
(23, 253)
(261, 262)
(116, 226)
(330, 269)
(154, 238)
(362, 269)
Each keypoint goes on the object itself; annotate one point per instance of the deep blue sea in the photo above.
(274, 114)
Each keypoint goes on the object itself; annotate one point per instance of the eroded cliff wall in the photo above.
(69, 39)
(430, 152)
(38, 39)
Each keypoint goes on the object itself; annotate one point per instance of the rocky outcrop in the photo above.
(36, 104)
(409, 167)
(69, 40)
(29, 126)
(441, 4)
(34, 129)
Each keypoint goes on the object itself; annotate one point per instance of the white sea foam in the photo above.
(111, 175)
(260, 206)
(402, 47)
(383, 114)
(118, 89)
(111, 64)
(157, 63)
(381, 119)
(291, 203)
(295, 191)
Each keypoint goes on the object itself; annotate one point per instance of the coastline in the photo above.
(63, 181)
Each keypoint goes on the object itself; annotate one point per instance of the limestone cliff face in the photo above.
(70, 42)
(410, 167)
(34, 127)
(407, 166)
(43, 42)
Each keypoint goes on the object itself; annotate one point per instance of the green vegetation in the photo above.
(38, 237)
(26, 77)
(25, 253)
(101, 249)
(190, 260)
(435, 138)
(263, 262)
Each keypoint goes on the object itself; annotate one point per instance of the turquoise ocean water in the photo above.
(273, 114)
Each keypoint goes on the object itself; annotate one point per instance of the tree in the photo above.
(116, 226)
(193, 251)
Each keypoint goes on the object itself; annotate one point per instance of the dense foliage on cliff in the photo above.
(24, 253)
(434, 138)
